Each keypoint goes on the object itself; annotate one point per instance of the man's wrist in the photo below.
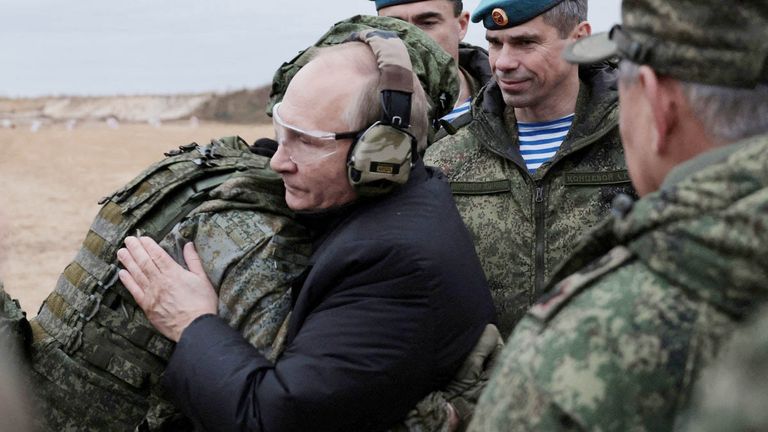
(193, 322)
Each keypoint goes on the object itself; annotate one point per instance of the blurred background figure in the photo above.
(14, 405)
(732, 394)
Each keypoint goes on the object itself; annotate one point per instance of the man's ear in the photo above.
(582, 30)
(661, 96)
(463, 20)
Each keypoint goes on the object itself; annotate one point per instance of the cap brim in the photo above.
(593, 49)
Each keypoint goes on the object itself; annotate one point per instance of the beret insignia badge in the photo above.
(499, 17)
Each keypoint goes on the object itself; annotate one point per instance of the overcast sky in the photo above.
(101, 47)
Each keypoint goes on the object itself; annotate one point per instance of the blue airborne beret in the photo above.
(386, 3)
(500, 14)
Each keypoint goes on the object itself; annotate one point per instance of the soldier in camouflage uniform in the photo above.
(654, 291)
(732, 394)
(526, 221)
(446, 22)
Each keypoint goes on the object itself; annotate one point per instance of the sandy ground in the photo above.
(52, 180)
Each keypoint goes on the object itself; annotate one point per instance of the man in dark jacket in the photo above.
(446, 22)
(394, 297)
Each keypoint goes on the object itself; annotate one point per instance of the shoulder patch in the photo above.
(549, 304)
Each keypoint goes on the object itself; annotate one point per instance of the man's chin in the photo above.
(516, 100)
(295, 202)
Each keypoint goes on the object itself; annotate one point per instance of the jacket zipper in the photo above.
(539, 210)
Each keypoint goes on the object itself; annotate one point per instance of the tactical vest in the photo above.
(95, 355)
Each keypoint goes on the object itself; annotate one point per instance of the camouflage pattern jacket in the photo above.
(524, 225)
(616, 345)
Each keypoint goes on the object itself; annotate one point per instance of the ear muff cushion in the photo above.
(382, 152)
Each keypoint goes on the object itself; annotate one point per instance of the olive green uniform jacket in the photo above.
(524, 225)
(618, 344)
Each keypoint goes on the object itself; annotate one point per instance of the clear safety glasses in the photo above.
(303, 146)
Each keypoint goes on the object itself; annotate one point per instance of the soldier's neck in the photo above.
(465, 88)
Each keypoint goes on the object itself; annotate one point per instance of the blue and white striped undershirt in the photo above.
(457, 111)
(539, 141)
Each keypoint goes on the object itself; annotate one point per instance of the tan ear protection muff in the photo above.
(381, 157)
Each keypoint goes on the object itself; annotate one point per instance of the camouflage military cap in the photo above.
(434, 67)
(501, 14)
(706, 41)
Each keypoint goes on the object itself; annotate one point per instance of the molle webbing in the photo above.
(90, 313)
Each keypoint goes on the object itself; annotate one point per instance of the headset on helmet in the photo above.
(381, 157)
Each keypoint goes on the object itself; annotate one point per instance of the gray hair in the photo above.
(728, 114)
(566, 15)
(366, 108)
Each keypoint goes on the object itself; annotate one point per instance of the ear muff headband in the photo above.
(381, 157)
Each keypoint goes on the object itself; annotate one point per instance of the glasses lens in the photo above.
(302, 146)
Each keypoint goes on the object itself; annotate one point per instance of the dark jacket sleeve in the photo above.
(359, 361)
